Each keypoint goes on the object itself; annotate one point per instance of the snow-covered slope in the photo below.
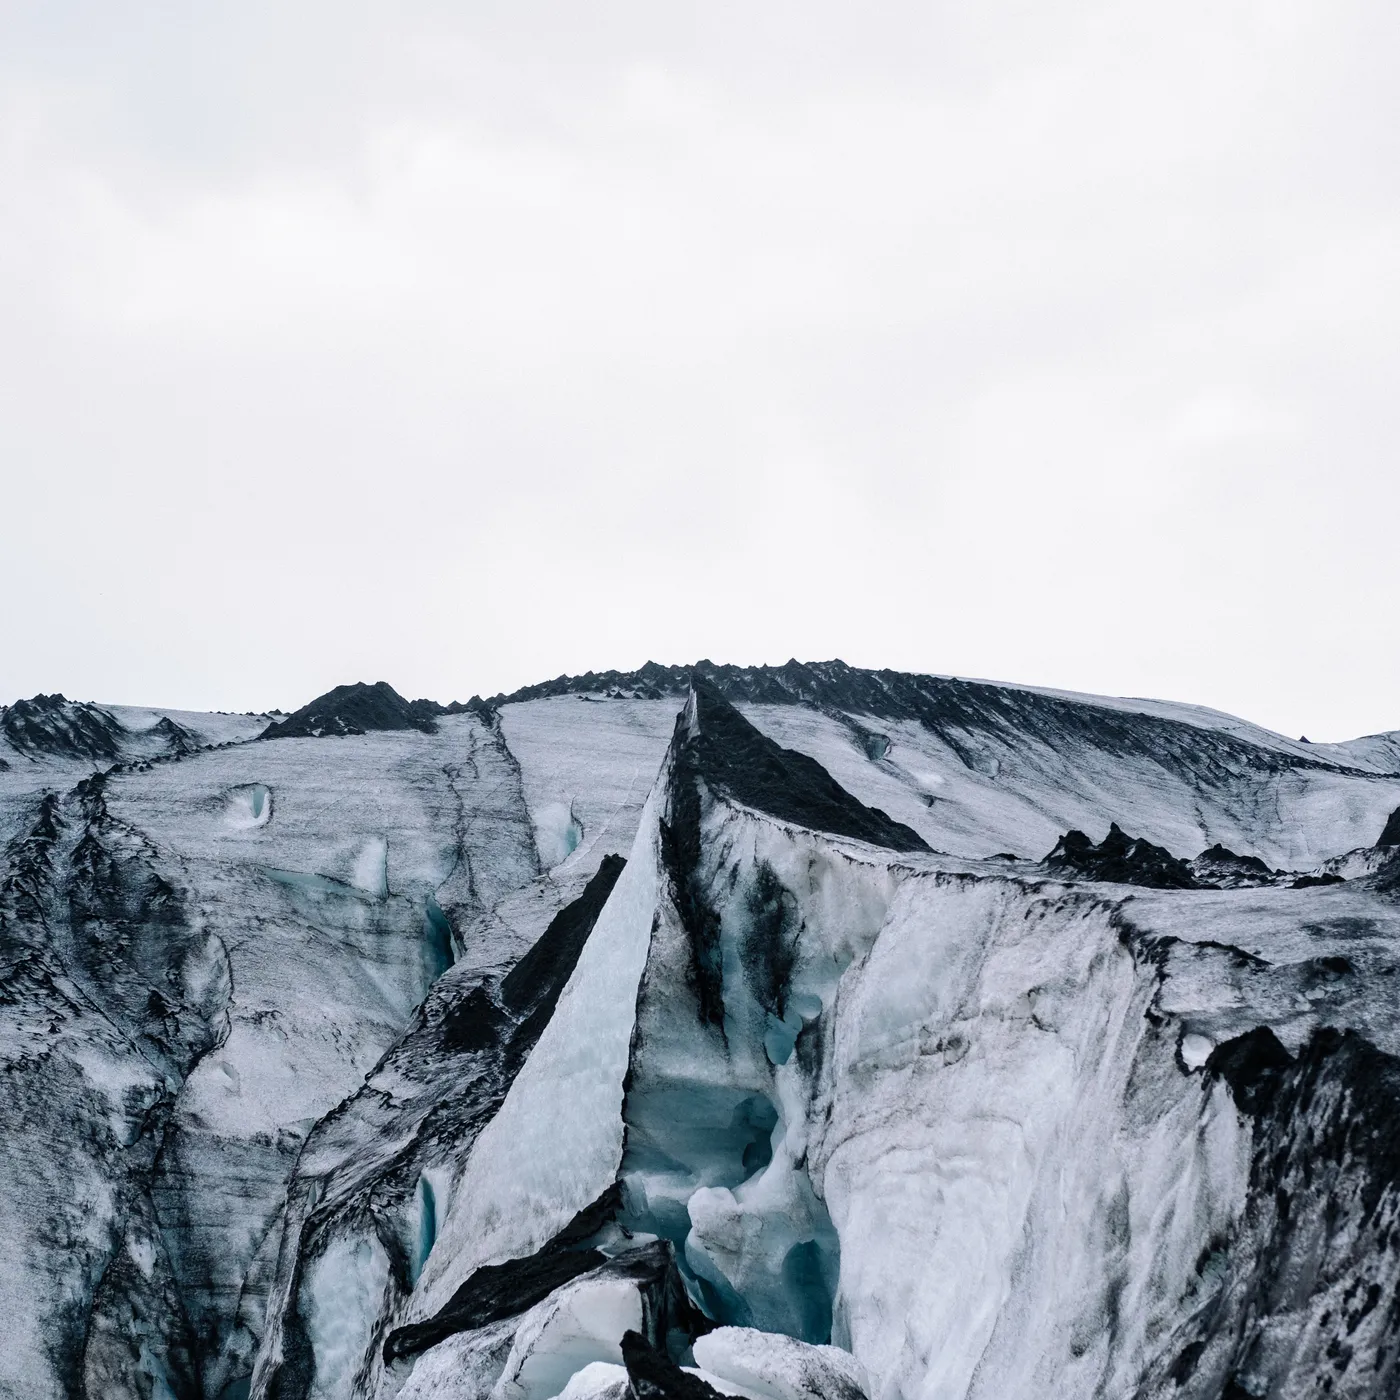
(346, 1055)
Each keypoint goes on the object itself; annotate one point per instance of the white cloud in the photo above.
(1055, 343)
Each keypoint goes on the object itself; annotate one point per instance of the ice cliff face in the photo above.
(787, 1032)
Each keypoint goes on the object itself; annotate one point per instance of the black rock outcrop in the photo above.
(177, 738)
(1120, 859)
(54, 725)
(357, 709)
(739, 761)
(652, 1375)
(1219, 865)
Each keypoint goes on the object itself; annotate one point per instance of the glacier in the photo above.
(781, 1032)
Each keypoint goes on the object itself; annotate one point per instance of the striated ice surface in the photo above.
(360, 1065)
(981, 794)
(464, 1367)
(586, 767)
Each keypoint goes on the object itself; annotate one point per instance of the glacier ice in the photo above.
(598, 1380)
(528, 1174)
(577, 1325)
(465, 1366)
(362, 1064)
(426, 1233)
(779, 1367)
(343, 1288)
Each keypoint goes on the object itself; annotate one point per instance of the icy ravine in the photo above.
(848, 1071)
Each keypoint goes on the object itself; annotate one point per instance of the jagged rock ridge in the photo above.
(51, 724)
(362, 709)
(1121, 859)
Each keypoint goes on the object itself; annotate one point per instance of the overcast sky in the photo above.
(465, 344)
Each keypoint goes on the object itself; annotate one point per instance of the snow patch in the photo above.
(599, 1380)
(780, 1368)
(143, 1254)
(1195, 1050)
(928, 781)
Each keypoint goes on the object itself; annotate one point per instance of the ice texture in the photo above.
(359, 1065)
(595, 761)
(779, 1367)
(533, 1169)
(576, 1326)
(599, 1380)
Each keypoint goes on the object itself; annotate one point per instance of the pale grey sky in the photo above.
(460, 345)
